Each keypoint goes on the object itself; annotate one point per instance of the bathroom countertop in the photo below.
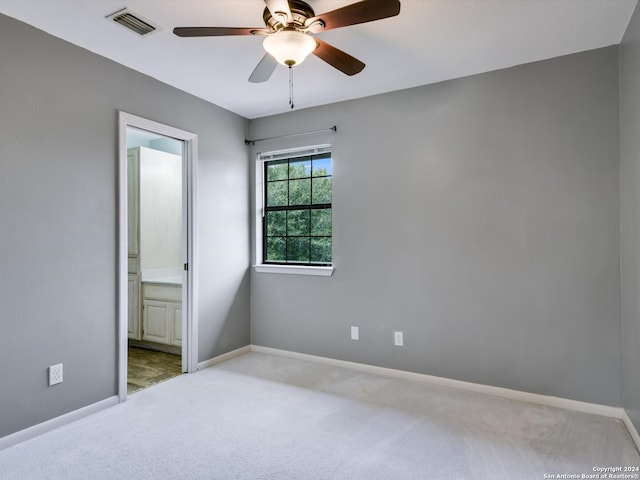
(164, 276)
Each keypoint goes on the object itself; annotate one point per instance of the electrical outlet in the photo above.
(355, 333)
(398, 339)
(55, 374)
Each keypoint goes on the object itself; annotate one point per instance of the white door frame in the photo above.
(190, 250)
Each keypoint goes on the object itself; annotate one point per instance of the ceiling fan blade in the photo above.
(337, 58)
(264, 69)
(215, 31)
(359, 12)
(279, 7)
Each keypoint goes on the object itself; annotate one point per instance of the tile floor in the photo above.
(148, 367)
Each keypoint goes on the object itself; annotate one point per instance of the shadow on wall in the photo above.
(231, 331)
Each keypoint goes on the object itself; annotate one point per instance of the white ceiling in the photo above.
(430, 41)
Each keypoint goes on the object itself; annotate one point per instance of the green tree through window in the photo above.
(297, 224)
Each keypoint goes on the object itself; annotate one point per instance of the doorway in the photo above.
(157, 250)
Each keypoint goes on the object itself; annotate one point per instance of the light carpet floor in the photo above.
(267, 417)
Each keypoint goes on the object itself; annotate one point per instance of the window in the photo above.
(296, 227)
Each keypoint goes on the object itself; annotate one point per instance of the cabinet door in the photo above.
(133, 288)
(175, 311)
(156, 322)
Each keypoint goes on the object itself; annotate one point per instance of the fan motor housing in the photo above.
(300, 12)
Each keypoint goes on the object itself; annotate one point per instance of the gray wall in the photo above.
(480, 217)
(58, 220)
(630, 216)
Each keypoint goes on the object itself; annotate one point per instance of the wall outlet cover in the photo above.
(55, 374)
(355, 333)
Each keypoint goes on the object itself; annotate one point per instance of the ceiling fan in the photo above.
(289, 28)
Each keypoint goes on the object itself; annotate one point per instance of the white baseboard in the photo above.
(224, 357)
(593, 408)
(57, 422)
(632, 429)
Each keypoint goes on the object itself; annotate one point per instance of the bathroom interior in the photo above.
(155, 252)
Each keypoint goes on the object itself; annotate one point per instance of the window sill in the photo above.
(295, 270)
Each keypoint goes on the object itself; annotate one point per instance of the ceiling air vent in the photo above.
(134, 22)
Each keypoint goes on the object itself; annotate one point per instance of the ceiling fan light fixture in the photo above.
(289, 47)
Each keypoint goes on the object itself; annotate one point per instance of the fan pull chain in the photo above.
(291, 87)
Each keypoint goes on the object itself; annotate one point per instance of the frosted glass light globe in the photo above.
(289, 47)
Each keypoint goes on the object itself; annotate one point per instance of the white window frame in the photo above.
(260, 267)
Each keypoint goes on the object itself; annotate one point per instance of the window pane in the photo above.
(276, 194)
(321, 223)
(298, 223)
(276, 249)
(300, 168)
(277, 170)
(322, 190)
(298, 249)
(300, 192)
(295, 233)
(276, 224)
(322, 167)
(320, 250)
